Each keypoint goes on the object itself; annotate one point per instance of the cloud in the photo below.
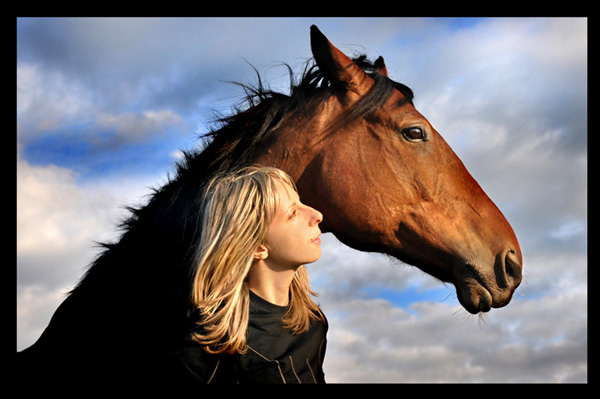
(504, 82)
(47, 100)
(134, 127)
(48, 103)
(540, 337)
(372, 340)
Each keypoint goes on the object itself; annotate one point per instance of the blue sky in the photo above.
(104, 107)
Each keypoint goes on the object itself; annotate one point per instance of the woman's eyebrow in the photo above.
(291, 206)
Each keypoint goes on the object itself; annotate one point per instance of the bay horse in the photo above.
(383, 177)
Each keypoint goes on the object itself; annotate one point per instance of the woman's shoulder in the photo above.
(195, 364)
(203, 367)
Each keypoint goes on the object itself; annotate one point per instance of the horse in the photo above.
(359, 151)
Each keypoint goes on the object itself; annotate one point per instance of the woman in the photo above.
(254, 319)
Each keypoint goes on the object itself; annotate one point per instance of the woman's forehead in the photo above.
(287, 193)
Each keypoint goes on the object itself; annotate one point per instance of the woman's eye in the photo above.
(294, 212)
(413, 134)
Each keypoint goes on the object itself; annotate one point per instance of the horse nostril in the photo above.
(512, 269)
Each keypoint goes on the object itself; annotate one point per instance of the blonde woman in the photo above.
(254, 319)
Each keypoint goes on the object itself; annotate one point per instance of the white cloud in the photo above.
(137, 127)
(48, 100)
(374, 341)
(35, 306)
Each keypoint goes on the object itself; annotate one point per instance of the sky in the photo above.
(105, 106)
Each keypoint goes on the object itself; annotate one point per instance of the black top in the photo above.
(275, 354)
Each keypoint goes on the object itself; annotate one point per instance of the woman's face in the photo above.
(293, 236)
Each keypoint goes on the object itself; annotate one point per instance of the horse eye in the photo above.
(413, 134)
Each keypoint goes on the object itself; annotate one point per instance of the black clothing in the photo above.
(275, 354)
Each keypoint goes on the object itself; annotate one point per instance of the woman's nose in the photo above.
(317, 217)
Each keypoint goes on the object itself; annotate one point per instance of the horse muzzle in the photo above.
(481, 286)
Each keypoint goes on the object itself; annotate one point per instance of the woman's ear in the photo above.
(261, 253)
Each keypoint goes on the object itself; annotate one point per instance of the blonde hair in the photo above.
(237, 209)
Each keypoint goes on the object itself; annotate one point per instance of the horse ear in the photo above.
(380, 67)
(337, 66)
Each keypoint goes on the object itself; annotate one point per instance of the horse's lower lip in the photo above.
(475, 299)
(472, 292)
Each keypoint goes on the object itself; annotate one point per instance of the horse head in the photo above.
(386, 181)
